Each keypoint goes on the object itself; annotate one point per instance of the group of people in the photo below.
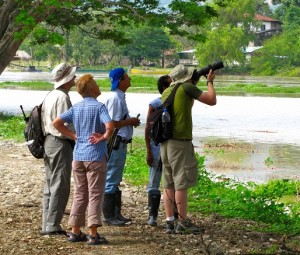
(76, 140)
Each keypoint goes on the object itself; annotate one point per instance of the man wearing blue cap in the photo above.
(118, 111)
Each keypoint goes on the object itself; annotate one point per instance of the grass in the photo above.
(11, 127)
(147, 84)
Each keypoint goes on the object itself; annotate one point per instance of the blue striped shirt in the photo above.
(88, 116)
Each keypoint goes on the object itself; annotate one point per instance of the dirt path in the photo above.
(21, 183)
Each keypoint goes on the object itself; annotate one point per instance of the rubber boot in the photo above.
(118, 207)
(109, 211)
(153, 205)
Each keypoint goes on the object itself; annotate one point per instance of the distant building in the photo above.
(187, 58)
(248, 51)
(269, 27)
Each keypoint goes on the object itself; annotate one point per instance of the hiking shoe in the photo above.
(187, 227)
(170, 227)
(73, 238)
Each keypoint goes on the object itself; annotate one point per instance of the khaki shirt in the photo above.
(55, 103)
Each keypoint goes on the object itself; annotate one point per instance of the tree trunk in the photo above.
(8, 44)
(12, 32)
(163, 60)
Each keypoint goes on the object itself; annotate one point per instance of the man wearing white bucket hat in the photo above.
(58, 151)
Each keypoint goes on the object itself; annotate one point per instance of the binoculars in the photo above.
(205, 70)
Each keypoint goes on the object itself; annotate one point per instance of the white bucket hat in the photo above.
(63, 73)
(181, 73)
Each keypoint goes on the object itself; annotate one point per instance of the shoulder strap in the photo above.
(169, 100)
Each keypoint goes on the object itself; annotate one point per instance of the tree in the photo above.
(262, 7)
(230, 32)
(224, 43)
(147, 44)
(52, 18)
(281, 54)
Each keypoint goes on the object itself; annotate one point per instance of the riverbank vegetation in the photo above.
(147, 84)
(216, 195)
(268, 204)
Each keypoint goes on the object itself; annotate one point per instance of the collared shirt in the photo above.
(55, 103)
(88, 116)
(117, 109)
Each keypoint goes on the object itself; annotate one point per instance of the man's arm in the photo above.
(209, 97)
(133, 121)
(147, 138)
(59, 124)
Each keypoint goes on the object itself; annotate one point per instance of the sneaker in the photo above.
(187, 227)
(170, 227)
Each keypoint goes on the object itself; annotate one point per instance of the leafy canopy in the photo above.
(108, 17)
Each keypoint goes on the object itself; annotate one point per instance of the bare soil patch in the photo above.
(21, 185)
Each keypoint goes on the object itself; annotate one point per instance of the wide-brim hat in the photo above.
(63, 73)
(115, 75)
(181, 74)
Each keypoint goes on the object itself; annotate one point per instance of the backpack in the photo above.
(157, 131)
(33, 132)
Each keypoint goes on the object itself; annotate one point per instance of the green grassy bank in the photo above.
(147, 84)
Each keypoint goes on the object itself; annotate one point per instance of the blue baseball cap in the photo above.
(115, 76)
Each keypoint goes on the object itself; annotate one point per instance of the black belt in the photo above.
(123, 140)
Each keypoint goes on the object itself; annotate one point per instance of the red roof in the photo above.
(265, 18)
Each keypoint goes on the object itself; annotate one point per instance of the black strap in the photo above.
(112, 139)
(169, 100)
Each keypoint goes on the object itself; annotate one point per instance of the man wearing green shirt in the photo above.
(180, 166)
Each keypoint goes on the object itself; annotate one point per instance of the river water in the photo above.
(269, 125)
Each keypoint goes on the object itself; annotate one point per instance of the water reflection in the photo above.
(263, 162)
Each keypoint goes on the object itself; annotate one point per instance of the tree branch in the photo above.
(127, 6)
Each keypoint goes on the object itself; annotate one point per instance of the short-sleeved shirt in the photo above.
(117, 109)
(182, 109)
(88, 116)
(156, 102)
(55, 103)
